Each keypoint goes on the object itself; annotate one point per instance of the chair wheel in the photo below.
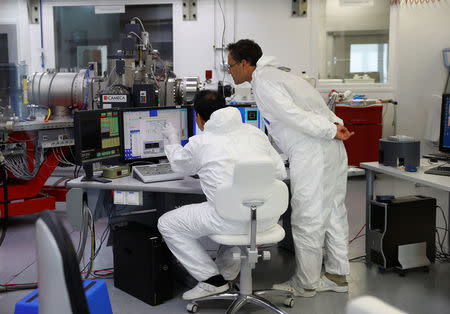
(289, 302)
(192, 307)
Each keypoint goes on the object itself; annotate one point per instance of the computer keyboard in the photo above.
(439, 170)
(438, 156)
(155, 173)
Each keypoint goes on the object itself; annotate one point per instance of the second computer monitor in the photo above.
(444, 138)
(141, 130)
(96, 139)
(249, 114)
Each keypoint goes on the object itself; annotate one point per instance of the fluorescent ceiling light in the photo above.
(109, 9)
(356, 2)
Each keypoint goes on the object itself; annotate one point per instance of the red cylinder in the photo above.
(208, 74)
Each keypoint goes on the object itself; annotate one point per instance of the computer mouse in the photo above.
(410, 168)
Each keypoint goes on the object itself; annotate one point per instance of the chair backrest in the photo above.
(253, 180)
(60, 286)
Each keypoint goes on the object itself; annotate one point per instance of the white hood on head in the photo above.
(267, 61)
(224, 120)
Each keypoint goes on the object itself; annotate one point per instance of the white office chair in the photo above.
(254, 195)
(60, 286)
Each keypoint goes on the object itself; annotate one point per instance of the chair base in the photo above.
(239, 300)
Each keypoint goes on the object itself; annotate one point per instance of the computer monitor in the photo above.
(444, 137)
(250, 115)
(141, 130)
(97, 138)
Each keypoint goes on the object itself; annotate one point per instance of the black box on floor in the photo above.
(395, 224)
(142, 263)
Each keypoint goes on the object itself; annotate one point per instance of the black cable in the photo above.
(103, 238)
(441, 256)
(357, 259)
(445, 221)
(91, 260)
(78, 171)
(5, 202)
(15, 287)
(223, 49)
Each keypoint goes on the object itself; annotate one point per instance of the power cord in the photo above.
(441, 255)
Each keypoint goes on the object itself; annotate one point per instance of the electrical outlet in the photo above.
(119, 197)
(133, 198)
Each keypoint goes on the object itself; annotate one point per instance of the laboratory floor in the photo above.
(417, 292)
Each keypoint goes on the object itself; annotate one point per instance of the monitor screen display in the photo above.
(142, 137)
(250, 115)
(96, 135)
(444, 138)
(446, 54)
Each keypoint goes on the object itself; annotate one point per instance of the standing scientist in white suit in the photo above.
(311, 136)
(212, 155)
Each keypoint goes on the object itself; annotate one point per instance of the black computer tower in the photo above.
(142, 263)
(398, 222)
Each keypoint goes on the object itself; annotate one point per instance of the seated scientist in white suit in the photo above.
(211, 155)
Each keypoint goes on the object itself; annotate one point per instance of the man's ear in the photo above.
(200, 119)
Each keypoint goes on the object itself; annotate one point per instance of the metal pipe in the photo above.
(58, 89)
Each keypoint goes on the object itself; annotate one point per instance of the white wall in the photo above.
(422, 33)
(356, 17)
(8, 9)
(270, 24)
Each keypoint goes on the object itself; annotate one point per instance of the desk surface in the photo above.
(187, 185)
(439, 182)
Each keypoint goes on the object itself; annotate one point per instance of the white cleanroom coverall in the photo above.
(303, 127)
(212, 155)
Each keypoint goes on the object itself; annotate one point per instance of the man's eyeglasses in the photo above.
(229, 66)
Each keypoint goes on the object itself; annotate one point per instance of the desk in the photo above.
(166, 195)
(435, 181)
(187, 185)
(182, 188)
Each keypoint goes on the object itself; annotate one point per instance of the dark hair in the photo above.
(245, 49)
(206, 102)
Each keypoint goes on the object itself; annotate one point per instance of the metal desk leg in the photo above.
(369, 197)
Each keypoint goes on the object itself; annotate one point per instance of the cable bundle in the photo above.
(18, 166)
(441, 255)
